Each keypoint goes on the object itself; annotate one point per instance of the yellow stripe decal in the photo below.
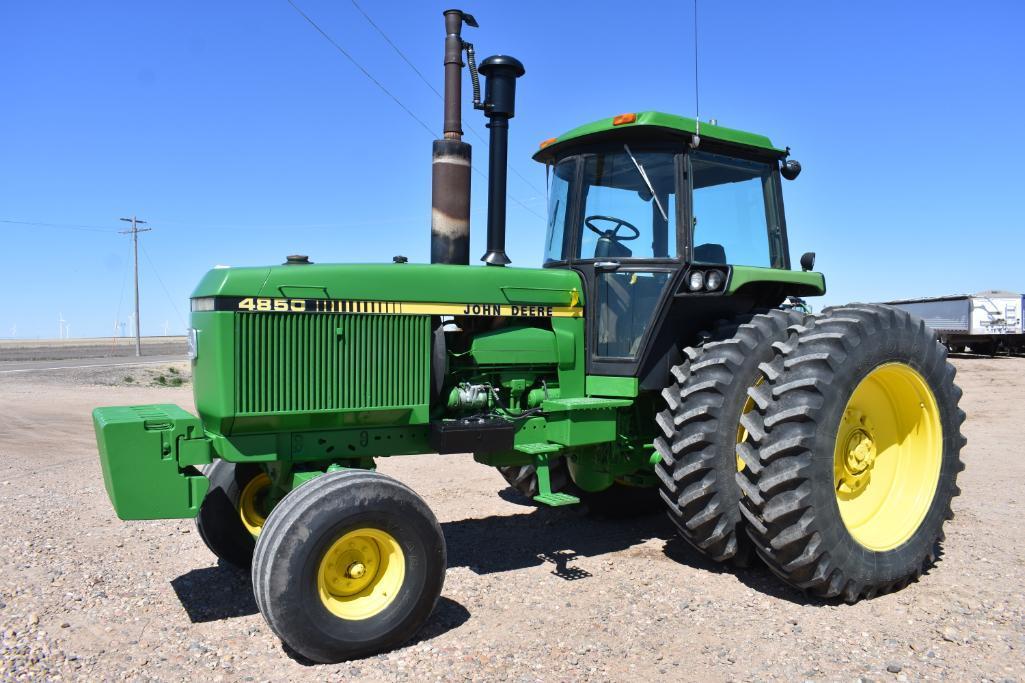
(472, 309)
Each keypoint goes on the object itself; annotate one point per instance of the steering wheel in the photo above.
(613, 233)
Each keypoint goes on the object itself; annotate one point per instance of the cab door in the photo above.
(626, 249)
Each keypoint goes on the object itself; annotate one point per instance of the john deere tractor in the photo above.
(648, 358)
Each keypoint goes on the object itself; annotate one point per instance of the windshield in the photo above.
(629, 205)
(735, 219)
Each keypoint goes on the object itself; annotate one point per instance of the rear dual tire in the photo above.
(857, 450)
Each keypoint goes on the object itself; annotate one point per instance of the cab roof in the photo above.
(654, 121)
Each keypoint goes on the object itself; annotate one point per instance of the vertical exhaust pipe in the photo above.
(450, 158)
(501, 73)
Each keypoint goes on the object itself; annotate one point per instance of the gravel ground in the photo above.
(531, 594)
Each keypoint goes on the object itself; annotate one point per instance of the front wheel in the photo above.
(348, 565)
(857, 450)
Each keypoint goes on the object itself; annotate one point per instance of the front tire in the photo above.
(857, 434)
(348, 565)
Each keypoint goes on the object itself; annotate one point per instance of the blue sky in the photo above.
(241, 135)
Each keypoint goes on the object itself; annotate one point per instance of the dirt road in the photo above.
(531, 594)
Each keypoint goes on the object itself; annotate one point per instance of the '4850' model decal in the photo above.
(474, 309)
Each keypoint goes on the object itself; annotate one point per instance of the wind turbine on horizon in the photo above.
(60, 322)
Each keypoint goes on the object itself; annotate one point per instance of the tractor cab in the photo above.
(650, 214)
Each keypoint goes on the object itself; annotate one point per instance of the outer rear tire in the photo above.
(795, 481)
(298, 550)
(218, 521)
(699, 461)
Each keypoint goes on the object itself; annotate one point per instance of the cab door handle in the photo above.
(606, 265)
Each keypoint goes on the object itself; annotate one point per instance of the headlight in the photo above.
(696, 281)
(713, 280)
(192, 339)
(205, 303)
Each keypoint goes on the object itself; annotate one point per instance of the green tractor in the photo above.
(648, 359)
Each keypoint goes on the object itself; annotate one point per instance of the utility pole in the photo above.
(134, 232)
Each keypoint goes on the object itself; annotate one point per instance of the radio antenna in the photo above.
(697, 101)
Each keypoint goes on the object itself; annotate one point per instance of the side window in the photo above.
(734, 216)
(558, 197)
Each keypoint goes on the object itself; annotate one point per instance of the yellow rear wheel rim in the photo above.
(887, 457)
(742, 434)
(361, 574)
(250, 504)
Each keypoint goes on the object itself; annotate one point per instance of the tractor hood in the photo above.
(397, 283)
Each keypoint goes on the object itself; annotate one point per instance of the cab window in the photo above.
(734, 216)
(629, 205)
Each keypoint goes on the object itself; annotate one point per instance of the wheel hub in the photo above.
(859, 452)
(352, 565)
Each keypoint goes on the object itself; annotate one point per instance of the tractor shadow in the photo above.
(554, 536)
(447, 615)
(215, 593)
(226, 592)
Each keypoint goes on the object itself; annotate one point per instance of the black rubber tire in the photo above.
(699, 444)
(305, 524)
(218, 521)
(789, 486)
(523, 478)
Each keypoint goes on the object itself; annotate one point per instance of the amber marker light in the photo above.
(545, 143)
(624, 118)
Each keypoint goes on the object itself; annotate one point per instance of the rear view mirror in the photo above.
(790, 169)
(808, 260)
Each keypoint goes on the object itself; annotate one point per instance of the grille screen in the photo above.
(322, 362)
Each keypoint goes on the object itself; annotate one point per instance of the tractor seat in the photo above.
(606, 247)
(710, 253)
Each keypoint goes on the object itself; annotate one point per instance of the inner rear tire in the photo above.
(701, 432)
(219, 523)
(348, 565)
(857, 434)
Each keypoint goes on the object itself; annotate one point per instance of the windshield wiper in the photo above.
(644, 176)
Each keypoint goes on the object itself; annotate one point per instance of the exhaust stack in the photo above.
(450, 162)
(501, 73)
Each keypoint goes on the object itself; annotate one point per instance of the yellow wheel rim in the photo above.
(886, 462)
(742, 434)
(361, 574)
(250, 504)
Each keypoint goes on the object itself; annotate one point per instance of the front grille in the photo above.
(298, 362)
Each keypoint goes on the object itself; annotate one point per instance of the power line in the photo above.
(170, 298)
(430, 85)
(388, 92)
(396, 48)
(61, 226)
(362, 68)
